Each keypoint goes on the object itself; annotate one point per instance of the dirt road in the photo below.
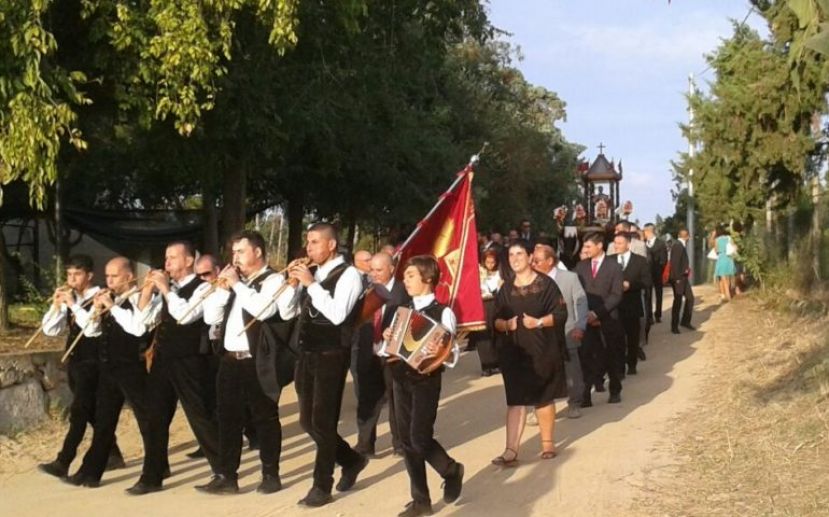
(607, 458)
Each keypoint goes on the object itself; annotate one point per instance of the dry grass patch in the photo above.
(756, 443)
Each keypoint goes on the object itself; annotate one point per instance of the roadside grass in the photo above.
(757, 443)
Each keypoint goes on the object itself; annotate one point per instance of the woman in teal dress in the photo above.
(725, 269)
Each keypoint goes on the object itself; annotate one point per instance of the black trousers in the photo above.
(416, 400)
(239, 394)
(120, 382)
(655, 294)
(632, 328)
(682, 291)
(188, 379)
(320, 380)
(602, 351)
(83, 376)
(371, 392)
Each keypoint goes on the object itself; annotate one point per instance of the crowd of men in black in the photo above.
(223, 342)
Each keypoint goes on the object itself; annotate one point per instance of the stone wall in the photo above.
(31, 386)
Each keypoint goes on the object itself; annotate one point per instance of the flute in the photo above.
(98, 314)
(306, 261)
(39, 331)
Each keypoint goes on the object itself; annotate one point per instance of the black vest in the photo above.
(314, 331)
(88, 348)
(118, 345)
(267, 343)
(174, 340)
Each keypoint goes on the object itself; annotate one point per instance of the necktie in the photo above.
(595, 268)
(622, 262)
(378, 325)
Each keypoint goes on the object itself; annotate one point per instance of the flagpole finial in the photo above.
(477, 157)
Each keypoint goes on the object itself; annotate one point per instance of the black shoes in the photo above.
(198, 453)
(81, 479)
(674, 331)
(55, 468)
(166, 473)
(632, 370)
(269, 485)
(600, 387)
(365, 450)
(219, 484)
(398, 451)
(416, 509)
(142, 487)
(349, 475)
(316, 497)
(452, 484)
(641, 355)
(687, 326)
(115, 462)
(615, 398)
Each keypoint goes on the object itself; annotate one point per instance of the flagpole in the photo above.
(473, 161)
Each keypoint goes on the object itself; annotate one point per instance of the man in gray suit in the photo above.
(545, 261)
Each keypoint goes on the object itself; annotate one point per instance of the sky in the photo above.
(622, 67)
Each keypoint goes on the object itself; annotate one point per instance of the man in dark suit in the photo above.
(636, 279)
(680, 271)
(373, 397)
(602, 346)
(658, 253)
(526, 232)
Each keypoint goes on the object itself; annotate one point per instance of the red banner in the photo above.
(450, 234)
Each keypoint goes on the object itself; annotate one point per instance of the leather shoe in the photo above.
(142, 488)
(416, 509)
(166, 473)
(115, 462)
(365, 450)
(81, 479)
(198, 453)
(615, 398)
(55, 468)
(269, 484)
(316, 497)
(632, 370)
(349, 475)
(674, 331)
(452, 484)
(573, 412)
(687, 326)
(219, 484)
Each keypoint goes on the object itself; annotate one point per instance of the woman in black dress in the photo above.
(531, 313)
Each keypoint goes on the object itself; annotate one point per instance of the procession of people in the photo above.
(223, 342)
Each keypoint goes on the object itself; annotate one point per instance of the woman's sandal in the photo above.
(502, 461)
(548, 455)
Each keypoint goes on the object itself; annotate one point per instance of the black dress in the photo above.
(532, 360)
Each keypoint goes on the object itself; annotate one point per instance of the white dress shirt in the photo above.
(131, 320)
(176, 305)
(346, 293)
(253, 302)
(624, 259)
(55, 320)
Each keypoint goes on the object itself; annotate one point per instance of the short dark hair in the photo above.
(595, 238)
(623, 235)
(80, 261)
(427, 266)
(326, 228)
(254, 238)
(649, 225)
(625, 225)
(522, 243)
(189, 249)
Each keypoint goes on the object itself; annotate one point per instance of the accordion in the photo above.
(418, 340)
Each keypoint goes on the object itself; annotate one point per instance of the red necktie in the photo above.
(378, 325)
(595, 268)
